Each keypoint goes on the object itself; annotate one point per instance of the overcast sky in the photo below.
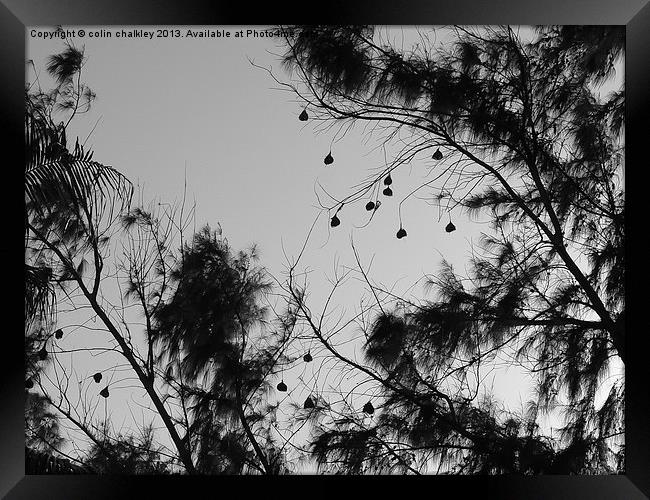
(170, 108)
(166, 106)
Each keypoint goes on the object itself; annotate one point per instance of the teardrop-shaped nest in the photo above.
(282, 387)
(335, 221)
(370, 206)
(104, 392)
(309, 403)
(437, 155)
(29, 383)
(388, 180)
(307, 358)
(450, 227)
(401, 233)
(388, 192)
(368, 408)
(42, 354)
(329, 159)
(303, 117)
(97, 377)
(58, 334)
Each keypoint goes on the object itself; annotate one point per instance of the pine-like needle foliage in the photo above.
(533, 144)
(208, 343)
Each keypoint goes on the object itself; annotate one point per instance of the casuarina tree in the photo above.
(524, 127)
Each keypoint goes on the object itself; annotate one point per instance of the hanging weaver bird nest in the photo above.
(307, 357)
(370, 206)
(388, 192)
(329, 159)
(388, 180)
(401, 233)
(309, 403)
(29, 383)
(97, 377)
(368, 408)
(303, 117)
(42, 354)
(437, 155)
(58, 334)
(104, 392)
(282, 387)
(335, 221)
(450, 227)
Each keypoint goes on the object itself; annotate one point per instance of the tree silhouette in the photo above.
(207, 343)
(62, 186)
(516, 126)
(72, 206)
(523, 135)
(126, 454)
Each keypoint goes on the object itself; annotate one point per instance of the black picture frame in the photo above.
(15, 15)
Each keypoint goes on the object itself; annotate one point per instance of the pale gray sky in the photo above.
(170, 107)
(164, 104)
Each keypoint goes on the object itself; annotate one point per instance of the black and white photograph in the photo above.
(325, 249)
(328, 250)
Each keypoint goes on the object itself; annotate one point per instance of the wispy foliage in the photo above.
(531, 144)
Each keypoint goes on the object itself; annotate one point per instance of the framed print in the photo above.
(343, 255)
